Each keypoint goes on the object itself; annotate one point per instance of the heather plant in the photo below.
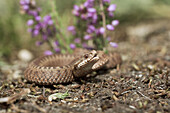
(40, 26)
(93, 21)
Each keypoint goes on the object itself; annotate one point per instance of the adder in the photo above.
(64, 68)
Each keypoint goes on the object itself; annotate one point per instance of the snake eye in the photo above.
(86, 56)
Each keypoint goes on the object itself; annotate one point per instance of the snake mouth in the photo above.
(88, 60)
(95, 58)
(86, 64)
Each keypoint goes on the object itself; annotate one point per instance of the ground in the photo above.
(140, 84)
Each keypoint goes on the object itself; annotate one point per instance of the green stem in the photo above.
(49, 43)
(104, 22)
(63, 41)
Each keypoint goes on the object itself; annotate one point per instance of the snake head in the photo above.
(85, 64)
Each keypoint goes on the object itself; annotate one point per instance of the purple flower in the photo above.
(22, 2)
(91, 10)
(112, 7)
(35, 32)
(88, 3)
(33, 13)
(30, 22)
(75, 12)
(47, 18)
(50, 22)
(70, 28)
(89, 15)
(110, 27)
(25, 7)
(44, 28)
(83, 16)
(91, 29)
(72, 46)
(102, 30)
(56, 43)
(38, 27)
(48, 52)
(113, 44)
(57, 50)
(115, 22)
(77, 40)
(27, 1)
(38, 18)
(43, 24)
(76, 7)
(94, 18)
(87, 37)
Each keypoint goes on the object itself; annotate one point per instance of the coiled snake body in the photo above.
(64, 68)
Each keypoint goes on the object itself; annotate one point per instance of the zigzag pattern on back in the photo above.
(64, 68)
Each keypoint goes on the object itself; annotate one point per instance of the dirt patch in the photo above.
(140, 84)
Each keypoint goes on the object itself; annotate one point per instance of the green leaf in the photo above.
(58, 96)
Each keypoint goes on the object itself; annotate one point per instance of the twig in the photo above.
(11, 99)
(143, 95)
(18, 110)
(38, 107)
(43, 91)
(127, 90)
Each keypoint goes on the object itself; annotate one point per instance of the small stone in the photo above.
(25, 55)
(140, 75)
(16, 74)
(135, 67)
(63, 101)
(151, 67)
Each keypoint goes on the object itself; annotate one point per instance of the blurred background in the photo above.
(13, 28)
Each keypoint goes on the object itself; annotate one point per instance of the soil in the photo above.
(140, 84)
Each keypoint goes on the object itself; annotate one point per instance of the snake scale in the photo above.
(64, 68)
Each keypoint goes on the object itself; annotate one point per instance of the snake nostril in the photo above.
(86, 56)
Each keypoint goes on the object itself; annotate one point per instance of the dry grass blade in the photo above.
(13, 98)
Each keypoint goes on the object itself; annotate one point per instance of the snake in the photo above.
(65, 68)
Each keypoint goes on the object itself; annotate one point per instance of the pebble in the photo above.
(25, 55)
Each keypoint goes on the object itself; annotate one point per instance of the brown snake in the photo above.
(64, 68)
